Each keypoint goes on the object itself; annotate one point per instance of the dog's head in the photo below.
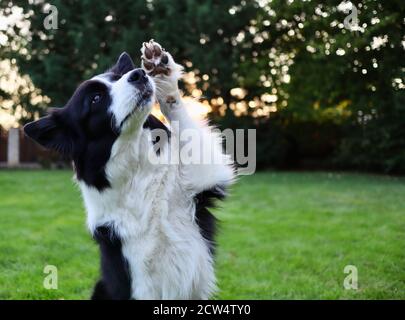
(101, 109)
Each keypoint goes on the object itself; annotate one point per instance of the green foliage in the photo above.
(85, 43)
(323, 74)
(282, 236)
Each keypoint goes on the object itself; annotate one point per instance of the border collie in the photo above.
(151, 220)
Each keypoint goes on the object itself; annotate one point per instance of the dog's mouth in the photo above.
(143, 98)
(147, 93)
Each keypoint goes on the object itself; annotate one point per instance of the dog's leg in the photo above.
(160, 65)
(211, 166)
(100, 292)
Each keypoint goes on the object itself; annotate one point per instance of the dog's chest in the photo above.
(166, 254)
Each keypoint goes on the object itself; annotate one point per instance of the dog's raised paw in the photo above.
(155, 60)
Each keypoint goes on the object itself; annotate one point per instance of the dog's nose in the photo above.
(138, 75)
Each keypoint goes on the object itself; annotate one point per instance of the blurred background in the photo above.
(324, 91)
(320, 95)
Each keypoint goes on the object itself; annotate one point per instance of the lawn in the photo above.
(283, 236)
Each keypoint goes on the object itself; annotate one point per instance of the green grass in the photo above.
(283, 236)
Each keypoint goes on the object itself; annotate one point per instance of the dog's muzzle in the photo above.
(140, 80)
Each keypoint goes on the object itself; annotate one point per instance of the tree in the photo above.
(91, 34)
(292, 69)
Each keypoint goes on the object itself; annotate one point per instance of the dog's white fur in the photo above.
(151, 206)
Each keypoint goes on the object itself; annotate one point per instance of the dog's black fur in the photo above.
(115, 280)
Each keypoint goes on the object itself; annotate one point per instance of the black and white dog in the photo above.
(151, 220)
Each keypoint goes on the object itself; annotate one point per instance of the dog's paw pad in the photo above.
(155, 60)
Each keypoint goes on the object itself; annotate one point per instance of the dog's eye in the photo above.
(96, 99)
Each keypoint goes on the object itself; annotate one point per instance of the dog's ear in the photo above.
(123, 65)
(50, 133)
